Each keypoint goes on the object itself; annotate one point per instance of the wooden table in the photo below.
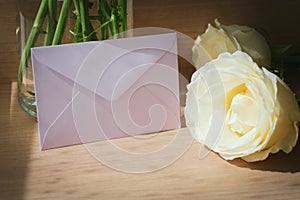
(73, 173)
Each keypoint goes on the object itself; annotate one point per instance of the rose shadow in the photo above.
(279, 162)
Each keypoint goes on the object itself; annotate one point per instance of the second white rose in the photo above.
(230, 39)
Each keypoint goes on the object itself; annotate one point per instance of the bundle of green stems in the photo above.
(111, 19)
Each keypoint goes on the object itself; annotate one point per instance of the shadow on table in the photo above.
(279, 162)
(17, 131)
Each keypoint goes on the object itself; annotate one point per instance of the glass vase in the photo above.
(52, 22)
(26, 12)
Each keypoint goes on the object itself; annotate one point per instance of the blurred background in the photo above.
(278, 20)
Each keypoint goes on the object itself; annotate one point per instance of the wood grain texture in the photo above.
(73, 173)
(8, 41)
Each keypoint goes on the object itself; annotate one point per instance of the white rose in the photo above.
(260, 112)
(230, 39)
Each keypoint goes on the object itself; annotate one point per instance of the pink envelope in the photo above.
(100, 90)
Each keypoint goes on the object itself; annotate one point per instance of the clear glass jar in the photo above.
(40, 23)
(26, 12)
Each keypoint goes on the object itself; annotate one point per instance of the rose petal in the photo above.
(251, 42)
(261, 114)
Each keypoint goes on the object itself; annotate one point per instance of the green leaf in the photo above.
(278, 51)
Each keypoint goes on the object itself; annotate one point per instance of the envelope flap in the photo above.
(99, 66)
(112, 69)
(123, 62)
(64, 59)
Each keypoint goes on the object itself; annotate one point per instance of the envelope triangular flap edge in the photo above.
(75, 63)
(105, 63)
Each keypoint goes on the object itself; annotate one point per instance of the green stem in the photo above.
(114, 19)
(124, 16)
(101, 18)
(87, 27)
(32, 38)
(51, 26)
(62, 22)
(106, 11)
(101, 27)
(77, 27)
(83, 17)
(76, 5)
(115, 30)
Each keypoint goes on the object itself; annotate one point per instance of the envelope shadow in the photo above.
(279, 162)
